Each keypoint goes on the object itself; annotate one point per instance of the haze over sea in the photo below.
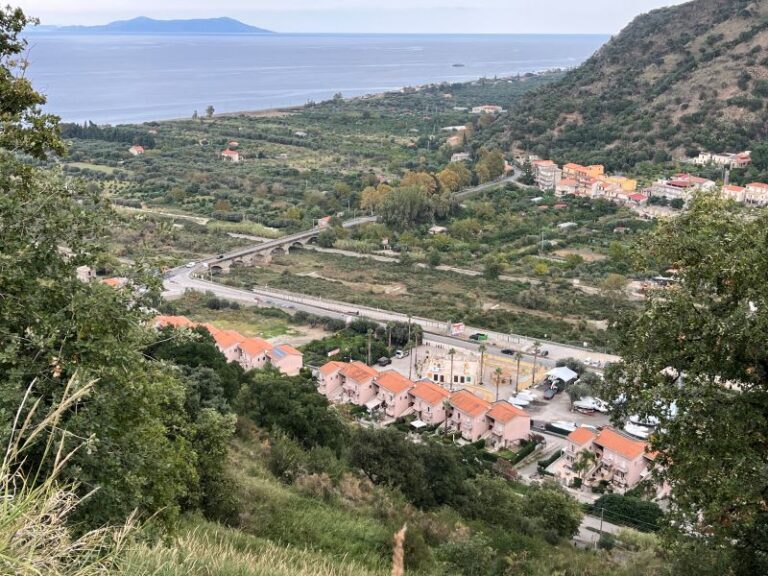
(121, 79)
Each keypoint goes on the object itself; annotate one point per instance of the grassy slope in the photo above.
(669, 81)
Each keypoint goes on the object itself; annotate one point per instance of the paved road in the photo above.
(181, 279)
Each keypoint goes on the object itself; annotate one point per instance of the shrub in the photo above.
(641, 514)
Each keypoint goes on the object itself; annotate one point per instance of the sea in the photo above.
(131, 79)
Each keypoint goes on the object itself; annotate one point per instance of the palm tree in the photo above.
(482, 350)
(518, 357)
(536, 351)
(451, 353)
(498, 378)
(446, 407)
(583, 463)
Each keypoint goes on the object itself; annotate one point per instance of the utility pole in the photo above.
(410, 360)
(600, 533)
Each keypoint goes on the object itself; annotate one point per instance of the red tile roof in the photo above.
(175, 321)
(225, 339)
(575, 167)
(393, 382)
(255, 346)
(358, 371)
(638, 197)
(615, 442)
(758, 185)
(732, 188)
(331, 367)
(504, 412)
(114, 282)
(469, 403)
(430, 392)
(581, 436)
(290, 350)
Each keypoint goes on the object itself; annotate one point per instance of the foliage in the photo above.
(695, 358)
(626, 510)
(558, 510)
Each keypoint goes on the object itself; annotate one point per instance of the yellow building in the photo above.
(626, 184)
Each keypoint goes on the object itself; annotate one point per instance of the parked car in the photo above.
(220, 256)
(399, 354)
(479, 337)
(384, 361)
(191, 264)
(550, 393)
(544, 353)
(508, 352)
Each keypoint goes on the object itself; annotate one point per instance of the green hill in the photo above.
(675, 81)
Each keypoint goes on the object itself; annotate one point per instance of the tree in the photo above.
(518, 357)
(493, 268)
(54, 327)
(195, 115)
(695, 358)
(209, 111)
(557, 509)
(482, 348)
(434, 258)
(536, 352)
(528, 178)
(404, 208)
(584, 462)
(497, 378)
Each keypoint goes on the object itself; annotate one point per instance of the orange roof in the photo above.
(430, 392)
(211, 328)
(572, 166)
(358, 371)
(503, 411)
(227, 338)
(255, 346)
(758, 185)
(290, 350)
(543, 163)
(469, 403)
(732, 188)
(615, 442)
(331, 367)
(393, 382)
(581, 436)
(114, 282)
(568, 182)
(175, 321)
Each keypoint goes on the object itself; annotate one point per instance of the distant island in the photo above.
(148, 26)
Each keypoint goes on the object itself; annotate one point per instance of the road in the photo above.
(181, 279)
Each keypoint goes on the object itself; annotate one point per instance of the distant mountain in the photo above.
(148, 26)
(676, 80)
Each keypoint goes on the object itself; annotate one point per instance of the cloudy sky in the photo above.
(428, 16)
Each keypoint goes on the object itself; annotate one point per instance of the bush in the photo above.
(607, 541)
(641, 514)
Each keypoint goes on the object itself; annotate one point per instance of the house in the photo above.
(618, 459)
(463, 369)
(567, 186)
(324, 222)
(583, 174)
(735, 193)
(638, 199)
(253, 353)
(437, 230)
(85, 273)
(567, 225)
(455, 141)
(228, 343)
(428, 402)
(286, 359)
(136, 150)
(508, 425)
(468, 415)
(231, 155)
(487, 109)
(300, 134)
(626, 184)
(115, 282)
(392, 393)
(461, 157)
(562, 373)
(329, 380)
(547, 174)
(233, 144)
(357, 383)
(738, 160)
(756, 194)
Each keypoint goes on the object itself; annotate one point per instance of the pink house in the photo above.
(330, 380)
(228, 343)
(428, 401)
(357, 383)
(175, 321)
(286, 359)
(392, 392)
(231, 155)
(253, 353)
(468, 415)
(621, 460)
(508, 425)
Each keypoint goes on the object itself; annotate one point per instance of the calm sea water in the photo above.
(110, 79)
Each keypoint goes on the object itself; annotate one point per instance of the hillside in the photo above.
(676, 80)
(143, 25)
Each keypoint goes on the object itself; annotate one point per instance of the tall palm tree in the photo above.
(482, 350)
(518, 357)
(451, 353)
(498, 378)
(447, 408)
(536, 351)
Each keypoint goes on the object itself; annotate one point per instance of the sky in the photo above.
(366, 16)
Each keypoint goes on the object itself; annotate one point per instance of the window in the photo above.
(442, 378)
(469, 379)
(455, 379)
(462, 379)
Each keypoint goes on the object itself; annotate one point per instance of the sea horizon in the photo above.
(128, 79)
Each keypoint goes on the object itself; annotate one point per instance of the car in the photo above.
(508, 352)
(479, 337)
(191, 264)
(544, 353)
(399, 354)
(220, 256)
(384, 361)
(550, 393)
